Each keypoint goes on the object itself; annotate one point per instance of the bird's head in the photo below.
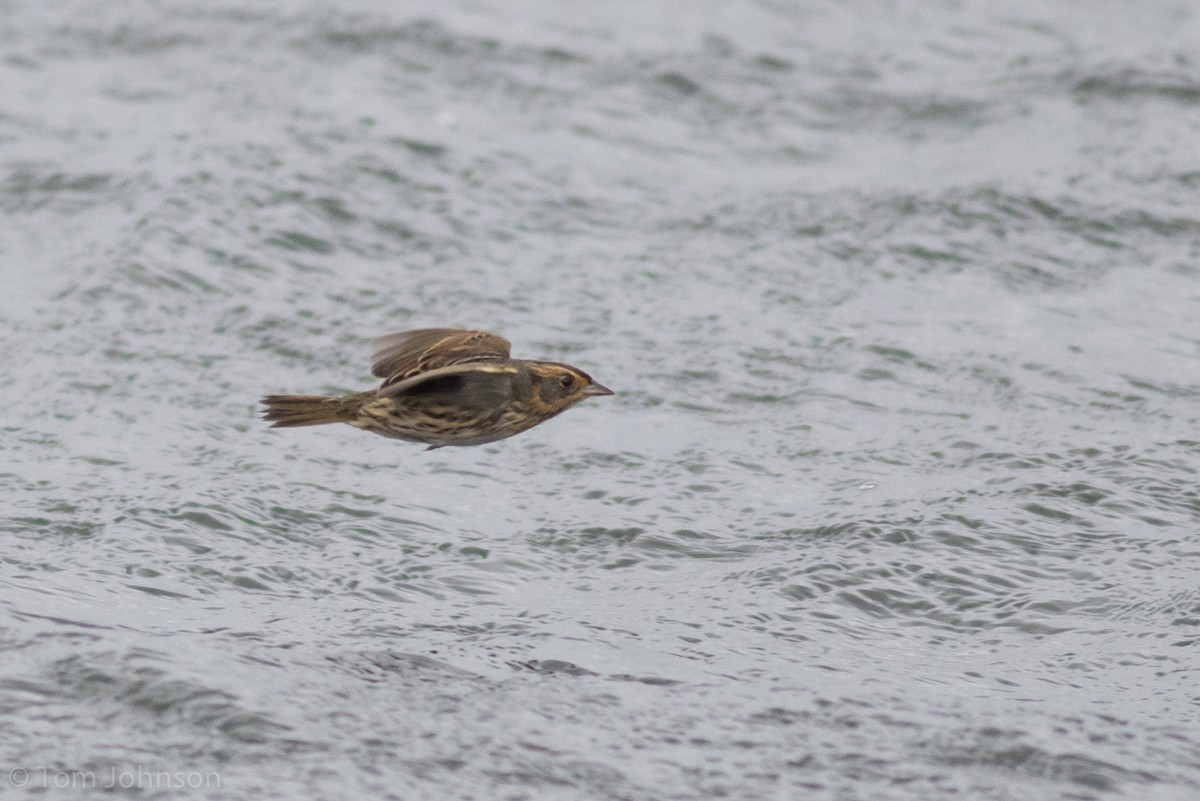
(560, 386)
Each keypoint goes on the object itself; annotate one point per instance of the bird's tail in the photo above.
(287, 411)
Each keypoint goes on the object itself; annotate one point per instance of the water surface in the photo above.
(897, 498)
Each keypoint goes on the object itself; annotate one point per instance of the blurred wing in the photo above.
(410, 353)
(471, 384)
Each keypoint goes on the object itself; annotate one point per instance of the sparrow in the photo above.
(445, 386)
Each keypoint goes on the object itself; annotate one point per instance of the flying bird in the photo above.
(445, 386)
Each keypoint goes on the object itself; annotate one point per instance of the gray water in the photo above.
(898, 497)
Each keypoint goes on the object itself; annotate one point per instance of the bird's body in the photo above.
(445, 386)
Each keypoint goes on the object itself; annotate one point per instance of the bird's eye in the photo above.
(567, 381)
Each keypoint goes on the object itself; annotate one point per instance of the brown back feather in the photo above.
(409, 353)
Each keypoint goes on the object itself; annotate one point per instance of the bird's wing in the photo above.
(401, 356)
(470, 383)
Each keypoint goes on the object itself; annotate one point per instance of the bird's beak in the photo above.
(595, 390)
